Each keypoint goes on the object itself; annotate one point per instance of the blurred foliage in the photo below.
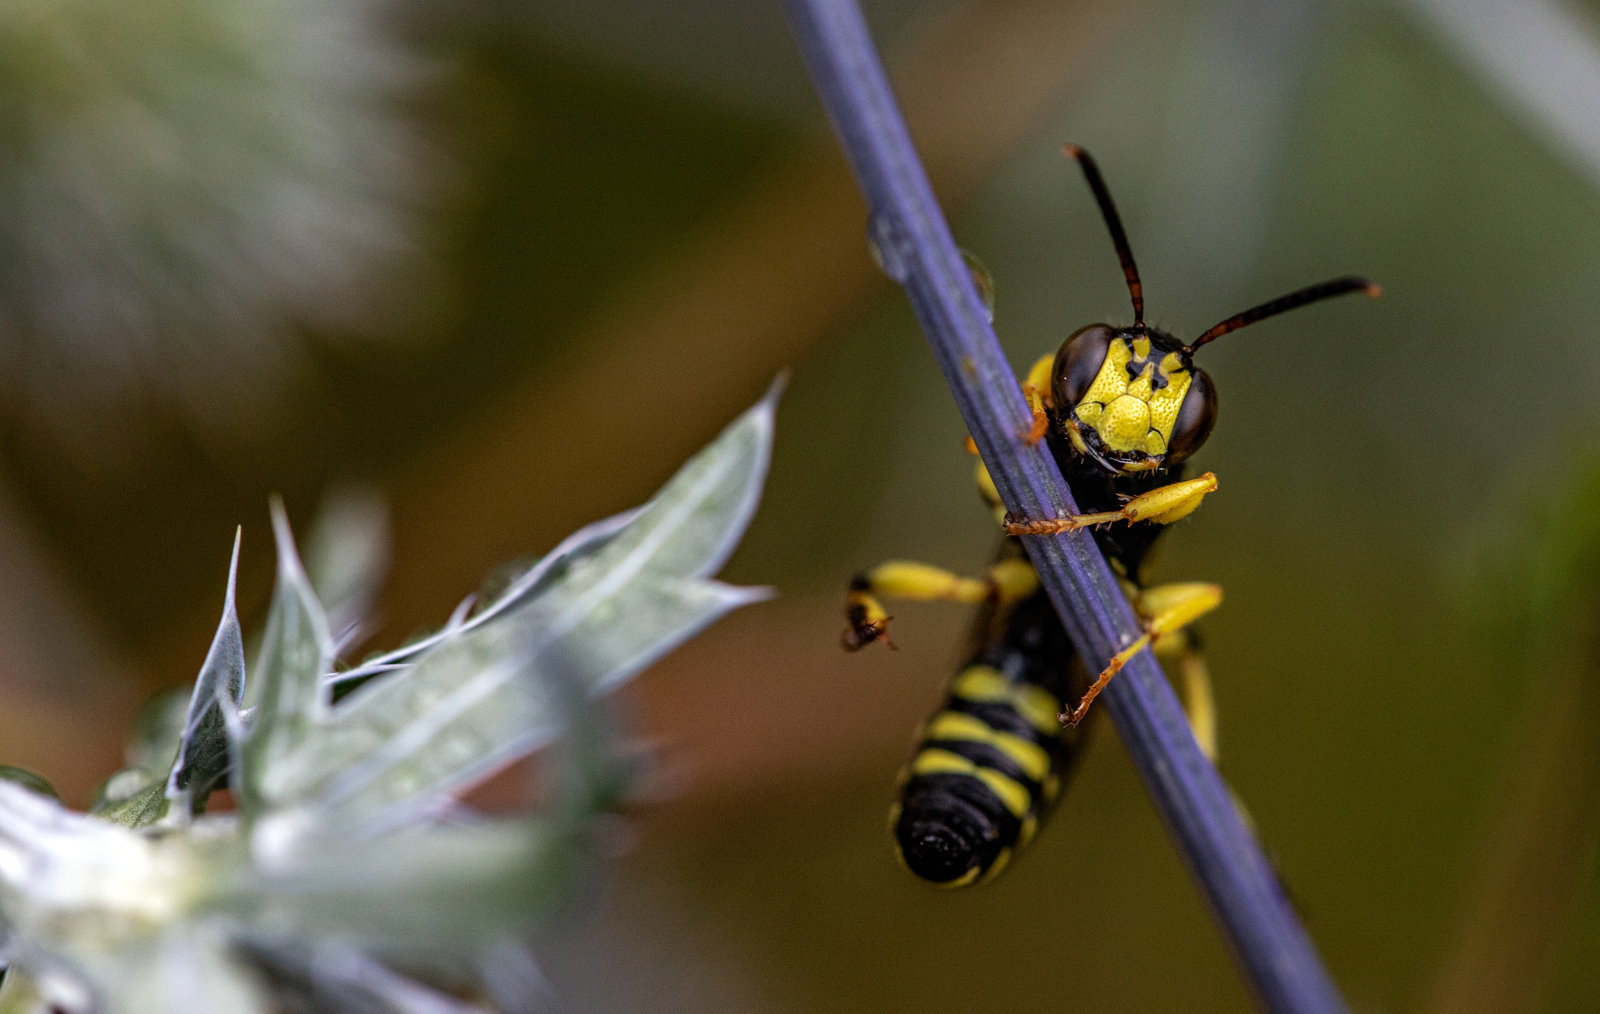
(570, 179)
(574, 179)
(309, 883)
(188, 184)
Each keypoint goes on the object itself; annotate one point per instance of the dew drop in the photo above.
(982, 280)
(889, 246)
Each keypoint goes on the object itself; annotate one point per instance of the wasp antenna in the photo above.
(1119, 239)
(1309, 294)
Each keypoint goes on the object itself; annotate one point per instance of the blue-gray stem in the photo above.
(914, 245)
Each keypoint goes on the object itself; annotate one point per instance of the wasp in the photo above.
(1121, 409)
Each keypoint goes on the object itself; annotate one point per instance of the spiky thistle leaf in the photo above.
(225, 914)
(206, 753)
(287, 690)
(606, 604)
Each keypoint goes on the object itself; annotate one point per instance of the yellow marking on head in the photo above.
(1112, 380)
(1024, 753)
(1142, 385)
(1010, 791)
(1137, 415)
(1124, 423)
(1165, 403)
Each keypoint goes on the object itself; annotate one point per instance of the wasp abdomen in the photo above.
(990, 761)
(950, 830)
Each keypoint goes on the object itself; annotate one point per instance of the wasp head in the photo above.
(1131, 398)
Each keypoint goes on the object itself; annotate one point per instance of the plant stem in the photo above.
(914, 245)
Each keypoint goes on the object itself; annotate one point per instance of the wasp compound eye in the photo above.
(1195, 418)
(1078, 363)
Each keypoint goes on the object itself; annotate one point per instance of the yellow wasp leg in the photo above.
(986, 489)
(867, 621)
(1181, 658)
(1036, 388)
(1167, 609)
(1195, 683)
(1162, 505)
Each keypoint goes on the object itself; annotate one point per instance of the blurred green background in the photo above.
(632, 217)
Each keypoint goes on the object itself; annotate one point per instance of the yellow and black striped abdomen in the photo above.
(992, 759)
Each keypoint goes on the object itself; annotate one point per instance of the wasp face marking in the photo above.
(1134, 400)
(1121, 394)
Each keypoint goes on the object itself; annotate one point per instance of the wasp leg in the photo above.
(1162, 505)
(1036, 388)
(1198, 702)
(867, 621)
(986, 489)
(1166, 609)
(1180, 654)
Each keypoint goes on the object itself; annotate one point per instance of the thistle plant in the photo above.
(349, 878)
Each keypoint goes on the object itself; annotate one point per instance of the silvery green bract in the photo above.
(348, 855)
